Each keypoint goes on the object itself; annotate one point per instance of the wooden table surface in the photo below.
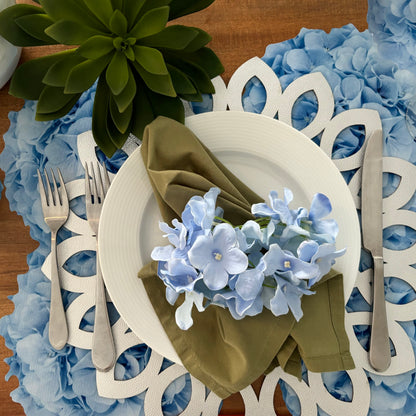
(241, 29)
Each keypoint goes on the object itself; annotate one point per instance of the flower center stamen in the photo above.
(217, 256)
(287, 264)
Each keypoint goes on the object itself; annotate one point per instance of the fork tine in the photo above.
(87, 185)
(64, 195)
(49, 196)
(106, 180)
(101, 181)
(97, 184)
(56, 196)
(43, 198)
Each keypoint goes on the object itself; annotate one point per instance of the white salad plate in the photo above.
(266, 155)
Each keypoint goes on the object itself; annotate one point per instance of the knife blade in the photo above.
(372, 232)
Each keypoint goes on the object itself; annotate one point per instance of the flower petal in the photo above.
(215, 277)
(235, 261)
(249, 284)
(320, 207)
(224, 237)
(171, 295)
(201, 252)
(278, 304)
(162, 253)
(307, 249)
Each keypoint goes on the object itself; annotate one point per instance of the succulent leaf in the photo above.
(102, 9)
(148, 105)
(180, 8)
(116, 137)
(198, 42)
(181, 82)
(58, 73)
(129, 52)
(121, 119)
(198, 76)
(127, 95)
(74, 10)
(117, 4)
(96, 47)
(131, 9)
(99, 118)
(161, 84)
(151, 60)
(150, 23)
(118, 23)
(142, 112)
(52, 99)
(117, 74)
(83, 75)
(12, 32)
(175, 37)
(205, 58)
(153, 4)
(171, 107)
(192, 97)
(68, 32)
(35, 25)
(60, 113)
(27, 79)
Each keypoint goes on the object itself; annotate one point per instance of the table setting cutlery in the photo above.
(103, 350)
(372, 234)
(55, 207)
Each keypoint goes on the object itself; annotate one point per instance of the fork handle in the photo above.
(380, 357)
(58, 327)
(103, 349)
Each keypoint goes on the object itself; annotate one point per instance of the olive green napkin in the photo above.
(223, 353)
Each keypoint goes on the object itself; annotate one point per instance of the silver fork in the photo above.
(103, 350)
(55, 207)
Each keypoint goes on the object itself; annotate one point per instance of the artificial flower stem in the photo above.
(223, 220)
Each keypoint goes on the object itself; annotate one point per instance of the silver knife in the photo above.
(372, 231)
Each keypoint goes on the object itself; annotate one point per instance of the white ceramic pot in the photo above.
(9, 54)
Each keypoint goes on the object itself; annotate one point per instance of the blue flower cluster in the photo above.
(270, 262)
(393, 25)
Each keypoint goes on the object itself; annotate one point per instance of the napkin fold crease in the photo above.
(226, 354)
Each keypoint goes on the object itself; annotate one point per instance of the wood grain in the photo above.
(240, 29)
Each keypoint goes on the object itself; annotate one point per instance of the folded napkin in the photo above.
(223, 353)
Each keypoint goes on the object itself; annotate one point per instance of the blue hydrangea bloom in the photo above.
(218, 256)
(177, 237)
(199, 213)
(249, 284)
(178, 274)
(279, 208)
(290, 274)
(323, 255)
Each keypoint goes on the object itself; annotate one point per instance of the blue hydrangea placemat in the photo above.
(372, 69)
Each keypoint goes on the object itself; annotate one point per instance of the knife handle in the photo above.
(380, 357)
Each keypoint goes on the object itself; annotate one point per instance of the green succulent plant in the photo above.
(144, 67)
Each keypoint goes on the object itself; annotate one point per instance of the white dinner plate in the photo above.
(265, 154)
